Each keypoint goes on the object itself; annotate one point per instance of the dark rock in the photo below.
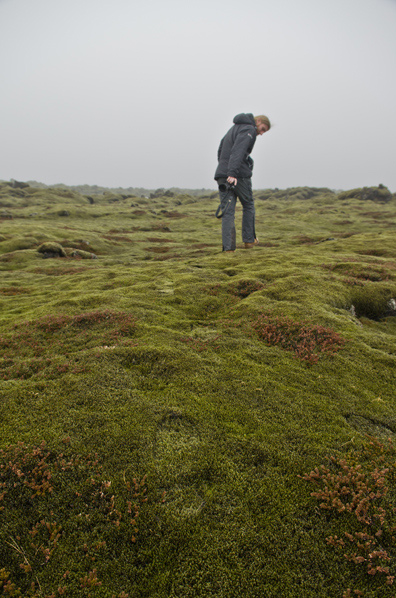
(84, 255)
(391, 308)
(324, 240)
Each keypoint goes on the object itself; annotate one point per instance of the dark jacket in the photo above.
(235, 147)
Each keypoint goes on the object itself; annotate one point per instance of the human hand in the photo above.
(232, 180)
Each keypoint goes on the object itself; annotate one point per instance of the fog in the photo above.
(122, 93)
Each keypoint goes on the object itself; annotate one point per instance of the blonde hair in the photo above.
(263, 119)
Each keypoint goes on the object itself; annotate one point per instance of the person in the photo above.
(234, 177)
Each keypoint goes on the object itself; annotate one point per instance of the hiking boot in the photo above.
(250, 245)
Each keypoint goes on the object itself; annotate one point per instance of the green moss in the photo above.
(188, 393)
(79, 253)
(52, 248)
(18, 244)
(377, 194)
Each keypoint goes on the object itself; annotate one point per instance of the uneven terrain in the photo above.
(180, 422)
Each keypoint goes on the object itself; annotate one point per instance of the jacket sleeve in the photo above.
(219, 150)
(242, 146)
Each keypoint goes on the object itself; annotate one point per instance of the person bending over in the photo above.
(235, 169)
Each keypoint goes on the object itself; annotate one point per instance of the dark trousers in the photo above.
(243, 191)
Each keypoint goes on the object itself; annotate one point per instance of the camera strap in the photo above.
(226, 201)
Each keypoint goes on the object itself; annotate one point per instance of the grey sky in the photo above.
(131, 93)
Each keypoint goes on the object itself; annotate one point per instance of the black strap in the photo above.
(226, 201)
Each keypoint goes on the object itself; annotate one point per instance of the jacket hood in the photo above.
(244, 119)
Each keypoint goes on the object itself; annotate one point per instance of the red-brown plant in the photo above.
(359, 490)
(308, 342)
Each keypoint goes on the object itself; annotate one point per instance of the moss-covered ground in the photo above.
(164, 406)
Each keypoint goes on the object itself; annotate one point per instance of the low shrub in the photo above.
(10, 291)
(308, 342)
(357, 494)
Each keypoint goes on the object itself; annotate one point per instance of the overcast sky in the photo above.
(139, 93)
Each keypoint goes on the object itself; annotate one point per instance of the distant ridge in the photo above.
(138, 191)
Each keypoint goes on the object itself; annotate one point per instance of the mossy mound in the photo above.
(373, 302)
(378, 194)
(51, 249)
(18, 244)
(79, 253)
(294, 193)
